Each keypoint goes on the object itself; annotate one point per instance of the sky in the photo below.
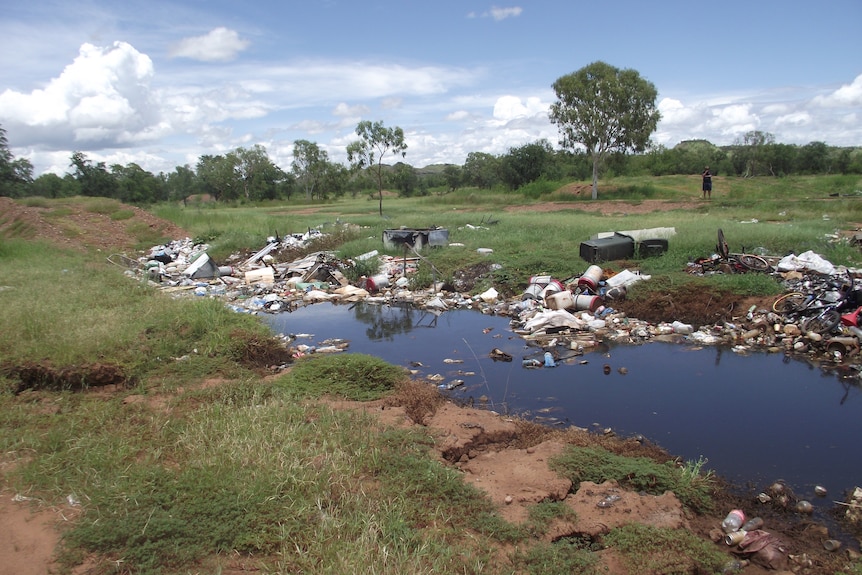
(161, 83)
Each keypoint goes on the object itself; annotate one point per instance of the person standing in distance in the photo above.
(707, 183)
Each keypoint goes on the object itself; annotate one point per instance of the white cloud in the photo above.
(458, 115)
(675, 113)
(794, 119)
(218, 45)
(508, 108)
(101, 96)
(846, 95)
(499, 14)
(343, 109)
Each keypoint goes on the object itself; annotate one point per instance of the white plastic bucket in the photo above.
(377, 283)
(587, 302)
(561, 300)
(533, 291)
(591, 278)
(553, 287)
(540, 280)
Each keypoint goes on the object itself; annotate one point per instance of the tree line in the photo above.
(249, 175)
(605, 118)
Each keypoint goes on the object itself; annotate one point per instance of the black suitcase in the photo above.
(617, 247)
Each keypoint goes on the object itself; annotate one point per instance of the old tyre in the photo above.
(823, 322)
(789, 303)
(754, 263)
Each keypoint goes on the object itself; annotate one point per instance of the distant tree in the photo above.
(255, 173)
(136, 185)
(16, 174)
(454, 177)
(309, 165)
(182, 183)
(604, 109)
(481, 170)
(813, 158)
(527, 163)
(50, 185)
(405, 179)
(375, 141)
(335, 180)
(218, 177)
(781, 159)
(749, 157)
(94, 179)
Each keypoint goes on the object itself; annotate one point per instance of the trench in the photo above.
(753, 417)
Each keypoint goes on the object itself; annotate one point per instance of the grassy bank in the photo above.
(200, 461)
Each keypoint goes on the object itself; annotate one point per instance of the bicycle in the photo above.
(821, 311)
(742, 262)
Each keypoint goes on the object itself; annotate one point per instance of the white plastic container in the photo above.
(261, 275)
(591, 278)
(561, 300)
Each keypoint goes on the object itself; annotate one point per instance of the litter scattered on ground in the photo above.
(558, 319)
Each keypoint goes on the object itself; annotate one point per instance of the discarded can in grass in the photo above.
(734, 537)
(591, 278)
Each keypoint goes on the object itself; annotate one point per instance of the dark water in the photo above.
(756, 418)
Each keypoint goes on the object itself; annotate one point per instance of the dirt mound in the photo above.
(85, 223)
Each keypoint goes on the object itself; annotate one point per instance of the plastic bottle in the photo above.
(733, 521)
(549, 360)
(752, 524)
(683, 328)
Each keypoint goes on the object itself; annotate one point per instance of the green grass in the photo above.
(666, 551)
(694, 489)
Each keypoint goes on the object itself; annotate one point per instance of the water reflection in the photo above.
(755, 418)
(386, 321)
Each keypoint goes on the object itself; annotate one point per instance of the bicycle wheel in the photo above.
(822, 323)
(721, 247)
(789, 303)
(754, 263)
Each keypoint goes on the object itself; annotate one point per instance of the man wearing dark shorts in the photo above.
(707, 183)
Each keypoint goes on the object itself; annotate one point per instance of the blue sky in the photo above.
(161, 83)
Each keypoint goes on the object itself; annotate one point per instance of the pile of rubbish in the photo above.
(561, 319)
